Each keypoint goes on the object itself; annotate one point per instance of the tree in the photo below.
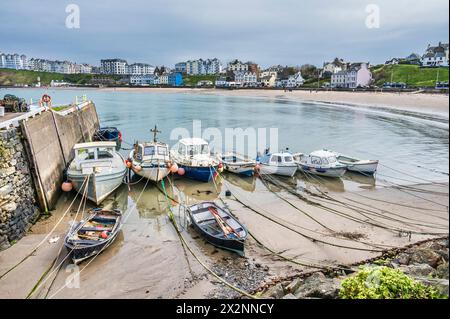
(308, 71)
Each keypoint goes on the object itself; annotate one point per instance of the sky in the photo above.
(268, 32)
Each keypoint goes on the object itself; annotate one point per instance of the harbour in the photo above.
(297, 224)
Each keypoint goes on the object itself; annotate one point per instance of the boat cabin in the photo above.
(277, 158)
(149, 151)
(192, 147)
(320, 158)
(93, 155)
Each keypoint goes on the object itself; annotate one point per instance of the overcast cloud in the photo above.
(268, 32)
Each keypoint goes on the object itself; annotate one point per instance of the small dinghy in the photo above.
(92, 236)
(150, 159)
(323, 163)
(365, 167)
(218, 226)
(108, 134)
(238, 164)
(277, 163)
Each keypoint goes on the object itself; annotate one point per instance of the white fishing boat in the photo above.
(150, 159)
(277, 163)
(238, 164)
(365, 167)
(322, 163)
(192, 155)
(100, 165)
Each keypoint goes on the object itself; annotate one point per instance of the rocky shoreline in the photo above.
(425, 262)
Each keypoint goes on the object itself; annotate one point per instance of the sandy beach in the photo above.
(437, 104)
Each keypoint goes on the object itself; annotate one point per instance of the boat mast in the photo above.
(155, 131)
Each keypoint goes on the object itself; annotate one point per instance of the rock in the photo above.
(294, 285)
(418, 270)
(319, 286)
(10, 207)
(402, 259)
(289, 296)
(6, 190)
(276, 292)
(442, 271)
(440, 284)
(425, 256)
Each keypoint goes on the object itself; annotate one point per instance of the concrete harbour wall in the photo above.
(33, 157)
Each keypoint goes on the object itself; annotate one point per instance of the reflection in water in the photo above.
(246, 183)
(323, 183)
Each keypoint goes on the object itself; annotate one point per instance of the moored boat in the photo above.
(108, 134)
(218, 226)
(238, 164)
(277, 163)
(89, 237)
(193, 156)
(150, 159)
(323, 163)
(365, 167)
(100, 165)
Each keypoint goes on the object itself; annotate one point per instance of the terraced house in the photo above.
(356, 75)
(435, 55)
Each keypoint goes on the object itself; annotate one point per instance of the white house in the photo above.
(148, 79)
(140, 69)
(221, 81)
(164, 79)
(237, 66)
(268, 80)
(393, 61)
(356, 75)
(435, 56)
(245, 78)
(335, 66)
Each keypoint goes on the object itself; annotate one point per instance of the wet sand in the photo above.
(147, 260)
(437, 104)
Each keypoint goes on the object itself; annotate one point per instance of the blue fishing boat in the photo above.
(193, 157)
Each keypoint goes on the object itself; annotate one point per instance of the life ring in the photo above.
(46, 98)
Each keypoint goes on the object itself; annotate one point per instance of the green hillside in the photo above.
(22, 77)
(192, 80)
(412, 75)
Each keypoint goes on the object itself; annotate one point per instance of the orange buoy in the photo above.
(128, 163)
(104, 234)
(66, 186)
(174, 168)
(181, 171)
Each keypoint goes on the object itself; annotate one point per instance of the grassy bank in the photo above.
(24, 77)
(192, 80)
(412, 75)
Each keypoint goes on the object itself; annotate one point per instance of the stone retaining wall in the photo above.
(17, 196)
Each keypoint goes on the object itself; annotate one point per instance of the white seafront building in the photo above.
(245, 78)
(200, 67)
(356, 75)
(13, 61)
(435, 55)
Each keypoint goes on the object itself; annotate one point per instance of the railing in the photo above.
(14, 122)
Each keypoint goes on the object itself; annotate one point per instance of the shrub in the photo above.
(384, 283)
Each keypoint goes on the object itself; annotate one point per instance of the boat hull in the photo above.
(199, 173)
(334, 172)
(231, 244)
(153, 173)
(246, 169)
(100, 186)
(363, 168)
(284, 170)
(80, 251)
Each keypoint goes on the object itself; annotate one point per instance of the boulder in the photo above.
(418, 270)
(318, 286)
(425, 256)
(442, 271)
(401, 259)
(293, 286)
(276, 292)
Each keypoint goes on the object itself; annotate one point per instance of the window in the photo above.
(103, 153)
(332, 159)
(288, 159)
(149, 150)
(324, 161)
(275, 159)
(162, 150)
(315, 160)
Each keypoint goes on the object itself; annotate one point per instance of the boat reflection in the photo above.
(246, 183)
(364, 181)
(324, 184)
